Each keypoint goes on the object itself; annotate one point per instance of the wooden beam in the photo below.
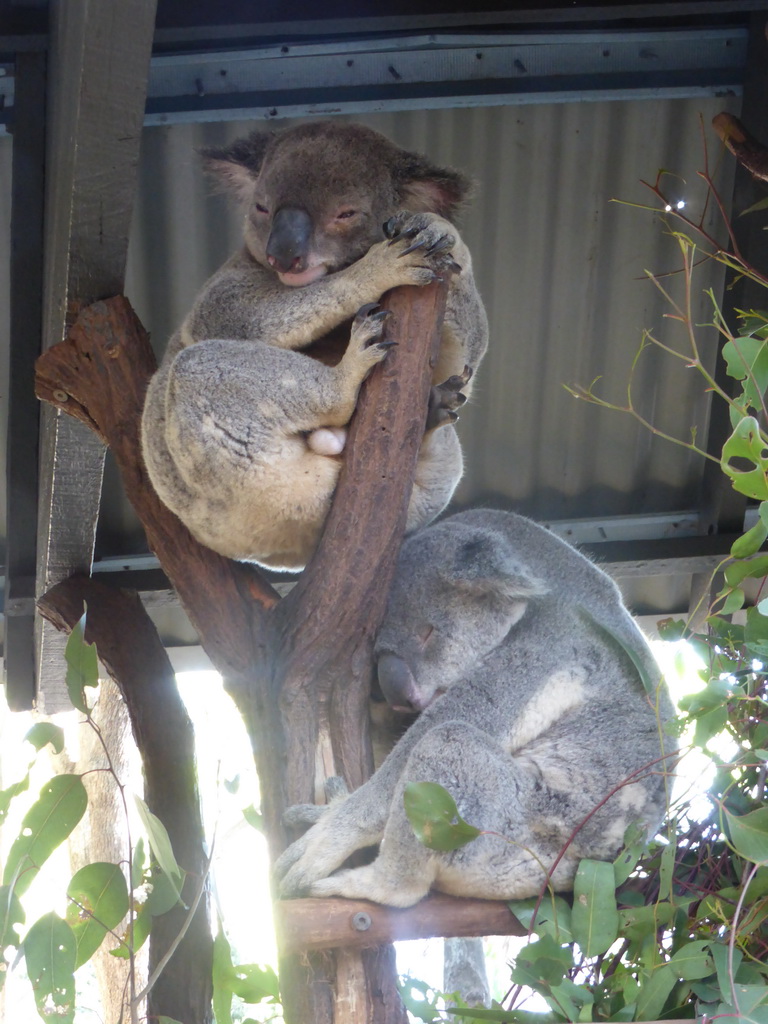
(97, 76)
(317, 924)
(28, 196)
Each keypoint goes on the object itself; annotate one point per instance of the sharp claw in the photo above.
(412, 248)
(381, 314)
(367, 309)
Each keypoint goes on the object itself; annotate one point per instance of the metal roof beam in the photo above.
(439, 70)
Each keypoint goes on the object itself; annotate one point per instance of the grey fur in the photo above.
(245, 418)
(532, 715)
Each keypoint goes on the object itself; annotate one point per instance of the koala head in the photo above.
(458, 591)
(317, 194)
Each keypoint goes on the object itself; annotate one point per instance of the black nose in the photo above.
(397, 682)
(288, 242)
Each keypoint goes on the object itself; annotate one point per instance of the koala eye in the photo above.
(345, 214)
(260, 208)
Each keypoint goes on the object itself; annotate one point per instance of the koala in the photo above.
(245, 420)
(528, 673)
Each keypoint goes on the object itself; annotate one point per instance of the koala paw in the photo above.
(446, 398)
(365, 340)
(428, 234)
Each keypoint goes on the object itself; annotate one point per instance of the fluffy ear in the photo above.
(236, 166)
(483, 566)
(426, 188)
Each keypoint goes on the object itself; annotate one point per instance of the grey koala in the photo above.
(246, 418)
(528, 672)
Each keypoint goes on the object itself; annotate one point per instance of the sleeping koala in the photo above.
(246, 418)
(515, 649)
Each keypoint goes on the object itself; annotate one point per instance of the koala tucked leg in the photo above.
(497, 793)
(239, 428)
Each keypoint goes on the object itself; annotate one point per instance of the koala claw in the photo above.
(446, 398)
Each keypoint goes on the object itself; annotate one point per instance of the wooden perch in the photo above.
(315, 924)
(750, 153)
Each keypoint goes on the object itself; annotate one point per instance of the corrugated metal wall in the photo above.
(561, 269)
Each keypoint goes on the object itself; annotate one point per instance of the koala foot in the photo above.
(426, 232)
(327, 440)
(446, 398)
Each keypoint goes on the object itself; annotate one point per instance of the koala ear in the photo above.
(426, 188)
(236, 167)
(483, 566)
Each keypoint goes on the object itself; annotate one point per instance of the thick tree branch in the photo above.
(132, 652)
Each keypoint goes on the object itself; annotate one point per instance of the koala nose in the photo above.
(397, 683)
(288, 242)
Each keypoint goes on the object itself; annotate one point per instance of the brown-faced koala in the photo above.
(534, 717)
(246, 417)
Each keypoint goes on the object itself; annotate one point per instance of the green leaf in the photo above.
(46, 732)
(8, 795)
(254, 818)
(82, 665)
(164, 894)
(693, 961)
(434, 817)
(552, 918)
(595, 917)
(161, 845)
(100, 897)
(49, 950)
(11, 916)
(46, 824)
(749, 834)
(667, 869)
(223, 978)
(756, 633)
(734, 602)
(754, 569)
(634, 844)
(255, 983)
(137, 863)
(746, 442)
(542, 963)
(654, 993)
(747, 360)
(750, 542)
(136, 936)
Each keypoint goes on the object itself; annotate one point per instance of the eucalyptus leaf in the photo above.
(160, 843)
(654, 992)
(223, 977)
(82, 665)
(750, 542)
(49, 951)
(43, 733)
(595, 917)
(553, 916)
(46, 825)
(693, 961)
(747, 443)
(749, 834)
(434, 817)
(99, 896)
